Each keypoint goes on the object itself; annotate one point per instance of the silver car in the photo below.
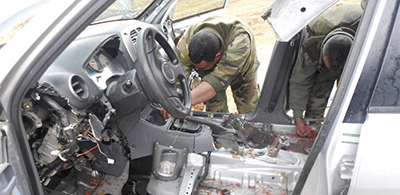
(82, 83)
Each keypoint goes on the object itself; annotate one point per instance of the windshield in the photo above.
(122, 10)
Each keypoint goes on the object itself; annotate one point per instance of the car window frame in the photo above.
(30, 53)
(373, 71)
(375, 12)
(386, 92)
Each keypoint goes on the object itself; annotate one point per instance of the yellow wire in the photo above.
(176, 137)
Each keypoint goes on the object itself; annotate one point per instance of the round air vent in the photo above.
(78, 87)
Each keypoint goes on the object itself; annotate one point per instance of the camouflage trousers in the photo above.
(318, 99)
(246, 93)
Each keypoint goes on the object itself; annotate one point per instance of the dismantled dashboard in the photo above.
(96, 111)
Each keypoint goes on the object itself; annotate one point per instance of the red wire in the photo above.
(88, 150)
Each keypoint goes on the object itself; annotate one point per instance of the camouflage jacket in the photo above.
(238, 60)
(309, 67)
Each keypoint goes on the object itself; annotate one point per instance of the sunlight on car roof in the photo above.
(8, 9)
(4, 38)
(14, 16)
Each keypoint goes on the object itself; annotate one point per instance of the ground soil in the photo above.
(250, 11)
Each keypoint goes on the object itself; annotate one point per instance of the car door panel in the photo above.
(30, 53)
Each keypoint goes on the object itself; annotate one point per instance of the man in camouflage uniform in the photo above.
(222, 50)
(324, 51)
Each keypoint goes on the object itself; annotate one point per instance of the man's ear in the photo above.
(218, 56)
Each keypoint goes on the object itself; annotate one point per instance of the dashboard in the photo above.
(101, 67)
(82, 73)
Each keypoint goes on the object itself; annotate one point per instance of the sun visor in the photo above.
(288, 17)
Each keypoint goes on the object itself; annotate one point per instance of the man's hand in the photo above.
(165, 114)
(200, 94)
(301, 129)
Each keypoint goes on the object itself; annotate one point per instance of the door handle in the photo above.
(7, 178)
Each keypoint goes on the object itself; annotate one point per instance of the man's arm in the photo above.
(301, 81)
(202, 93)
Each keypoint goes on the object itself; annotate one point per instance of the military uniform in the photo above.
(311, 81)
(237, 66)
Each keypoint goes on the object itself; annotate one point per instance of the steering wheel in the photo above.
(159, 76)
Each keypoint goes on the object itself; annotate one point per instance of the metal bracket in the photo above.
(279, 142)
(189, 179)
(168, 161)
(346, 170)
(96, 125)
(110, 110)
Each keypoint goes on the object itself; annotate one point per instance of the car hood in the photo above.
(288, 17)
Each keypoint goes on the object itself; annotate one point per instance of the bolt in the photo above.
(26, 106)
(343, 169)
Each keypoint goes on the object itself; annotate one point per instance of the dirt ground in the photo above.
(264, 34)
(250, 11)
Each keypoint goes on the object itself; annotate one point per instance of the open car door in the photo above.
(7, 172)
(49, 27)
(288, 17)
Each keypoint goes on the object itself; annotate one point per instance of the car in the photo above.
(82, 83)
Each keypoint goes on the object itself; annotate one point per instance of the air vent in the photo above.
(134, 34)
(78, 87)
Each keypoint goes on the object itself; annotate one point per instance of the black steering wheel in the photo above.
(159, 76)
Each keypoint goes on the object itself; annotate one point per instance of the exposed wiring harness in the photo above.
(176, 136)
(88, 135)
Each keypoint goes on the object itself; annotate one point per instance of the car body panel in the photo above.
(353, 151)
(288, 17)
(344, 132)
(31, 49)
(372, 175)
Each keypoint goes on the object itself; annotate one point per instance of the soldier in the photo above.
(222, 50)
(324, 51)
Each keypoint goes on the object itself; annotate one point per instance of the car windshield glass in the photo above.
(123, 10)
